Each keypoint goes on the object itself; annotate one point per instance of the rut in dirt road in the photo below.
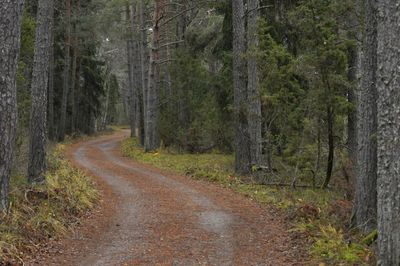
(163, 219)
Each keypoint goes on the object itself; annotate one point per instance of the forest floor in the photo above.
(154, 217)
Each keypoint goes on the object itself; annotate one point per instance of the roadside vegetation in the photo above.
(320, 216)
(42, 212)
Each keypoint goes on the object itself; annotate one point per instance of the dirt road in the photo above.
(150, 217)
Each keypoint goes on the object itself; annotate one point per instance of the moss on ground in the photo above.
(312, 211)
(43, 212)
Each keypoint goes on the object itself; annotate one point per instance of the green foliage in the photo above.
(195, 113)
(304, 83)
(331, 245)
(89, 103)
(28, 29)
(28, 32)
(46, 211)
(113, 94)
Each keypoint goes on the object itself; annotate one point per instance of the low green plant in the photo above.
(41, 212)
(332, 246)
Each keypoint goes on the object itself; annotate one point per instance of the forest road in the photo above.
(154, 217)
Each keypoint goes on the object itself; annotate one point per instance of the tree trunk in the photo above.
(74, 74)
(388, 133)
(131, 71)
(50, 111)
(40, 77)
(365, 195)
(242, 143)
(136, 93)
(352, 98)
(353, 75)
(143, 69)
(106, 106)
(137, 76)
(331, 145)
(254, 100)
(151, 134)
(74, 80)
(10, 30)
(131, 105)
(67, 70)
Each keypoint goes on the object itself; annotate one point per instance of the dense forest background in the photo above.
(306, 57)
(276, 82)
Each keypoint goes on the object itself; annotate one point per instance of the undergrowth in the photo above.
(42, 212)
(318, 214)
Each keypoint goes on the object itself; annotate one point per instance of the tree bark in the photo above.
(254, 100)
(74, 73)
(151, 131)
(365, 195)
(10, 31)
(67, 70)
(136, 92)
(50, 111)
(131, 63)
(388, 54)
(331, 145)
(136, 33)
(352, 98)
(353, 75)
(242, 138)
(132, 85)
(40, 77)
(74, 80)
(143, 68)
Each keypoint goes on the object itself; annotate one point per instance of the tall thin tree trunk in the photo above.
(131, 105)
(137, 76)
(354, 53)
(143, 68)
(74, 80)
(242, 138)
(388, 132)
(352, 98)
(136, 93)
(74, 74)
(254, 100)
(10, 31)
(40, 77)
(106, 107)
(151, 136)
(131, 71)
(67, 70)
(331, 145)
(365, 195)
(50, 111)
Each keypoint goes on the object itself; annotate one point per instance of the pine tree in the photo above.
(10, 23)
(40, 77)
(365, 195)
(67, 70)
(242, 138)
(388, 78)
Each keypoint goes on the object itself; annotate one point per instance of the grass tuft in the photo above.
(42, 212)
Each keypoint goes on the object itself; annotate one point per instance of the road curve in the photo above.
(159, 218)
